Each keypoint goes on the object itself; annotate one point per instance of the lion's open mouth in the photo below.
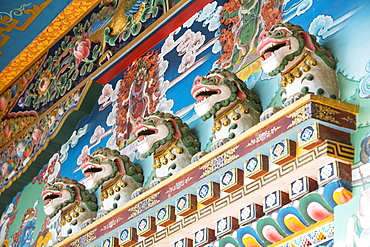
(49, 196)
(89, 169)
(266, 51)
(143, 131)
(204, 93)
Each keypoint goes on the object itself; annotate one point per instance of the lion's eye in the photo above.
(56, 186)
(213, 79)
(279, 33)
(97, 159)
(152, 120)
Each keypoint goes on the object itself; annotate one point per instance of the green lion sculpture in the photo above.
(69, 200)
(115, 174)
(169, 140)
(304, 65)
(222, 95)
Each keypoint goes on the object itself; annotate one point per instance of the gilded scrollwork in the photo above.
(299, 115)
(144, 205)
(263, 136)
(179, 185)
(326, 113)
(85, 239)
(348, 119)
(71, 14)
(219, 161)
(8, 20)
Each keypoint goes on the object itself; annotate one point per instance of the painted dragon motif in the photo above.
(305, 66)
(112, 21)
(170, 141)
(115, 174)
(69, 199)
(222, 95)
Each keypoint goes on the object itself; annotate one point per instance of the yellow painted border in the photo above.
(61, 25)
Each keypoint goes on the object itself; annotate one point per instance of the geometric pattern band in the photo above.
(329, 148)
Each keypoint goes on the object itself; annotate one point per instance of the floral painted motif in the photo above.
(15, 158)
(82, 48)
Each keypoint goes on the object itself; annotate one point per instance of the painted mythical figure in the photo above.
(115, 174)
(170, 141)
(304, 65)
(69, 199)
(222, 95)
(111, 22)
(23, 237)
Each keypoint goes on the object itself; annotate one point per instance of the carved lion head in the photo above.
(218, 90)
(157, 130)
(284, 45)
(105, 164)
(63, 193)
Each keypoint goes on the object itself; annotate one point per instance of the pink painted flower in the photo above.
(36, 134)
(82, 48)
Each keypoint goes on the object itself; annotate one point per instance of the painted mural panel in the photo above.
(62, 73)
(223, 34)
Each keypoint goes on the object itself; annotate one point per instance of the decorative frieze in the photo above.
(301, 187)
(333, 171)
(146, 226)
(250, 213)
(231, 180)
(208, 192)
(186, 204)
(204, 236)
(128, 236)
(275, 200)
(225, 226)
(184, 242)
(315, 134)
(283, 151)
(165, 216)
(110, 242)
(256, 166)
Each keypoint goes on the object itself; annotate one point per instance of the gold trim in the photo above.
(304, 64)
(11, 23)
(68, 216)
(61, 25)
(160, 158)
(113, 187)
(223, 119)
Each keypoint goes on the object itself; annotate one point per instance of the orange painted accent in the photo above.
(307, 230)
(250, 242)
(294, 224)
(342, 196)
(62, 24)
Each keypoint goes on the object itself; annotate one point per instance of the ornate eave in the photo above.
(67, 19)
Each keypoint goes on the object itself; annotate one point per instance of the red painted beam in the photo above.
(158, 35)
